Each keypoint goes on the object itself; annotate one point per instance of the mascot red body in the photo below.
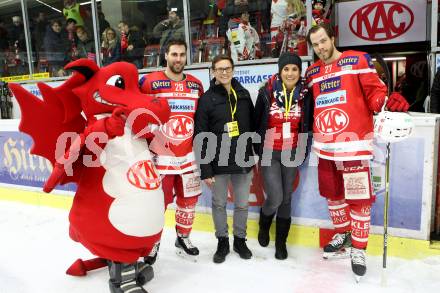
(93, 128)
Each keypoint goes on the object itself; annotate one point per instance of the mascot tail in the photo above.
(81, 267)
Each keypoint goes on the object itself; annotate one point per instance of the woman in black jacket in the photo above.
(284, 114)
(225, 116)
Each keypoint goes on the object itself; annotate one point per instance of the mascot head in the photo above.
(98, 92)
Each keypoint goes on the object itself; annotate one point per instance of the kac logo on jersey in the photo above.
(330, 84)
(349, 60)
(179, 127)
(143, 175)
(160, 84)
(331, 121)
(313, 71)
(331, 99)
(192, 85)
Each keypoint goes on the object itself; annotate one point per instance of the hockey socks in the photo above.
(360, 225)
(338, 247)
(340, 215)
(185, 213)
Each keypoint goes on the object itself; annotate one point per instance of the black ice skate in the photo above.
(358, 264)
(338, 247)
(185, 248)
(143, 271)
(123, 278)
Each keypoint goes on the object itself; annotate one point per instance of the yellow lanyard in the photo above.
(230, 103)
(287, 104)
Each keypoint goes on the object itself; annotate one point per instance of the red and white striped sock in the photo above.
(360, 225)
(184, 219)
(340, 214)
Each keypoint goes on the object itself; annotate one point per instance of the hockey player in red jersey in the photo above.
(346, 92)
(172, 144)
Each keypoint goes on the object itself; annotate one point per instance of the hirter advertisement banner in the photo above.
(366, 22)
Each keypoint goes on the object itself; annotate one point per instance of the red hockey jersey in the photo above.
(172, 144)
(346, 93)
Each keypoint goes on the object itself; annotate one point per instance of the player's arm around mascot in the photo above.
(118, 209)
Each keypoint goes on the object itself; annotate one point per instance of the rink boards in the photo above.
(412, 191)
(413, 179)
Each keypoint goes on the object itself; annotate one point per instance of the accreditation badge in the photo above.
(233, 128)
(286, 130)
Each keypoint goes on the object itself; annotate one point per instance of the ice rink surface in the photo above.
(36, 251)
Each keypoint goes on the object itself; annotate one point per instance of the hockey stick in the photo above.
(387, 170)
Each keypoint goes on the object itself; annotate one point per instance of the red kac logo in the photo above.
(143, 175)
(381, 20)
(331, 121)
(179, 127)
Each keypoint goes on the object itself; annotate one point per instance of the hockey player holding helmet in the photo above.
(346, 92)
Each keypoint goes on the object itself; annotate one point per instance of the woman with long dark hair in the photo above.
(283, 111)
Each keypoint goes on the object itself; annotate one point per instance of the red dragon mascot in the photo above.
(93, 129)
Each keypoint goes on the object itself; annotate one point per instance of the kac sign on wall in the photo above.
(367, 22)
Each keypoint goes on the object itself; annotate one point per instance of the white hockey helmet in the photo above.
(393, 126)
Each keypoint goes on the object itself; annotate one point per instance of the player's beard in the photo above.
(177, 69)
(328, 54)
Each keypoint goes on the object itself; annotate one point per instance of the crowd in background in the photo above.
(243, 29)
(65, 38)
(58, 38)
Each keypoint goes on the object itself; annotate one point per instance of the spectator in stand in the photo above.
(16, 34)
(56, 47)
(111, 47)
(40, 27)
(319, 12)
(132, 44)
(169, 29)
(85, 46)
(71, 36)
(292, 33)
(17, 45)
(243, 39)
(278, 11)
